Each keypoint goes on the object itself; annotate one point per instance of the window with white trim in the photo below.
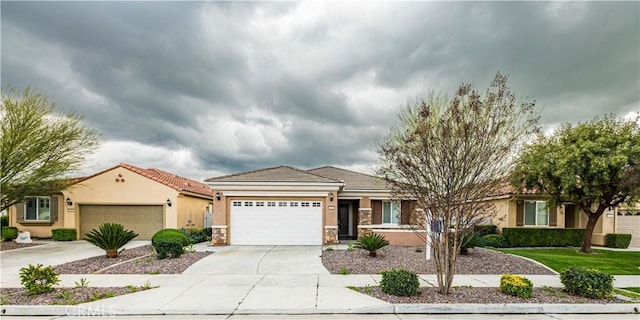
(37, 209)
(391, 212)
(536, 213)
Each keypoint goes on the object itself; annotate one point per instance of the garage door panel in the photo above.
(276, 225)
(144, 220)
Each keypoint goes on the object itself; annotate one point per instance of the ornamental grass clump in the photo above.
(588, 283)
(371, 242)
(110, 237)
(516, 286)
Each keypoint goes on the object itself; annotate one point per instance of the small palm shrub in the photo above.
(495, 240)
(587, 282)
(168, 248)
(399, 282)
(110, 237)
(168, 234)
(38, 279)
(516, 286)
(371, 242)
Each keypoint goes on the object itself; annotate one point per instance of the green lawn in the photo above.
(636, 290)
(607, 261)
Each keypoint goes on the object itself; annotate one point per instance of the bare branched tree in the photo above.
(451, 155)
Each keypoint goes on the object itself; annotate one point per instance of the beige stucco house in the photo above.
(289, 206)
(530, 209)
(143, 200)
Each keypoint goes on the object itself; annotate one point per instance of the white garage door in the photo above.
(629, 222)
(274, 222)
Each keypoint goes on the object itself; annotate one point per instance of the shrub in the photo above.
(495, 240)
(470, 241)
(168, 234)
(516, 286)
(617, 240)
(4, 221)
(399, 282)
(587, 282)
(371, 242)
(9, 233)
(168, 247)
(485, 229)
(197, 235)
(37, 279)
(64, 234)
(208, 231)
(543, 237)
(110, 237)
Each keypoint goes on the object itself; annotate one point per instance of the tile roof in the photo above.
(353, 180)
(506, 189)
(274, 174)
(168, 179)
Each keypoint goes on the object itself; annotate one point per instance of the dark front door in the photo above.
(569, 216)
(343, 219)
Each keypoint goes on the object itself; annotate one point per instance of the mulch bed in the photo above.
(64, 296)
(10, 245)
(484, 295)
(140, 260)
(478, 261)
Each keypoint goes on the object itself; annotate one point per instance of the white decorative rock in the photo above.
(24, 237)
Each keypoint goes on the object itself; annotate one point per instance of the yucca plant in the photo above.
(371, 242)
(110, 237)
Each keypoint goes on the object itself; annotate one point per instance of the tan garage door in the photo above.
(630, 223)
(144, 220)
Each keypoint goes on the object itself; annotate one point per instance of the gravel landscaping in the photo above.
(65, 296)
(478, 261)
(483, 295)
(140, 260)
(10, 245)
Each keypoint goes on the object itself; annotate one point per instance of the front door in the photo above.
(344, 229)
(569, 216)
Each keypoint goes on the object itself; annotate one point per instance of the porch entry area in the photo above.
(348, 219)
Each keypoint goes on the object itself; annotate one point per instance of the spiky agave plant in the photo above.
(371, 242)
(110, 237)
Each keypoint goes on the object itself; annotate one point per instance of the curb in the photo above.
(443, 308)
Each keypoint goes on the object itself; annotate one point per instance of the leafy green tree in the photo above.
(450, 155)
(593, 164)
(38, 147)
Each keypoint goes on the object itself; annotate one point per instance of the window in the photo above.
(293, 204)
(282, 204)
(259, 204)
(248, 204)
(391, 212)
(37, 209)
(316, 204)
(237, 204)
(304, 204)
(536, 213)
(271, 204)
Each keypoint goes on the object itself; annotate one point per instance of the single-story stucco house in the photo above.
(143, 200)
(529, 209)
(289, 206)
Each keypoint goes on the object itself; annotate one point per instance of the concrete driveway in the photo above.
(261, 260)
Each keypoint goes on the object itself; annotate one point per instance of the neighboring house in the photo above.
(531, 209)
(143, 200)
(288, 206)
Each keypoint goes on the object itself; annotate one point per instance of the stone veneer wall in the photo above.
(330, 235)
(219, 235)
(364, 220)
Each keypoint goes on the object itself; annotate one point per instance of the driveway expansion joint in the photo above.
(246, 295)
(262, 258)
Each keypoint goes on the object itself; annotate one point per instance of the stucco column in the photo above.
(220, 228)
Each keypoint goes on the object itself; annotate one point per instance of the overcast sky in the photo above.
(203, 89)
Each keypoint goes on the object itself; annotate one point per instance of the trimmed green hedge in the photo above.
(170, 234)
(543, 237)
(64, 234)
(9, 233)
(617, 240)
(485, 229)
